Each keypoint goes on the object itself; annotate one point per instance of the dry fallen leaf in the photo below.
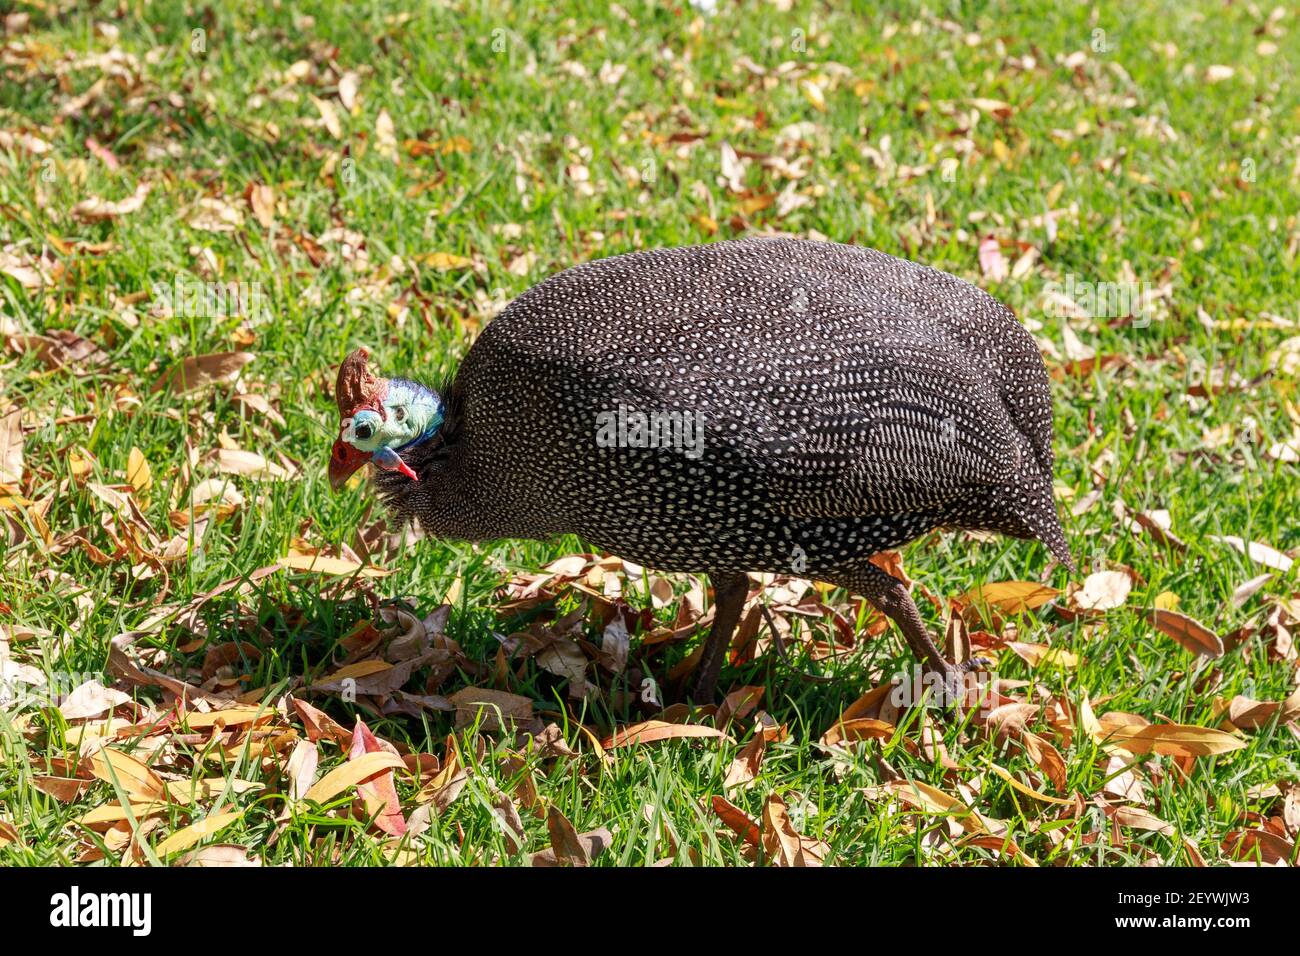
(186, 837)
(1187, 631)
(737, 820)
(744, 768)
(565, 843)
(1011, 597)
(1258, 552)
(131, 774)
(858, 728)
(1103, 591)
(489, 706)
(652, 731)
(1247, 713)
(91, 699)
(352, 773)
(992, 263)
(378, 792)
(324, 564)
(102, 210)
(261, 199)
(301, 768)
(200, 371)
(237, 461)
(1178, 740)
(11, 449)
(138, 472)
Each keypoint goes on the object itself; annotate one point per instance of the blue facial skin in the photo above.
(412, 413)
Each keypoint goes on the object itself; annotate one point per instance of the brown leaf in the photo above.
(782, 844)
(492, 707)
(737, 820)
(200, 371)
(565, 843)
(261, 199)
(744, 768)
(858, 728)
(1142, 820)
(592, 842)
(1252, 845)
(131, 774)
(1249, 714)
(738, 704)
(653, 731)
(1188, 632)
(63, 789)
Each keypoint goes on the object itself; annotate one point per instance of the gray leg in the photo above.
(890, 596)
(730, 588)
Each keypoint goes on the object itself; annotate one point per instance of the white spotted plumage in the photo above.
(850, 402)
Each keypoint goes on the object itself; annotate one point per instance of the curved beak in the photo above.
(344, 460)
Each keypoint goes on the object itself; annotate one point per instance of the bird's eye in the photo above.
(399, 413)
(363, 431)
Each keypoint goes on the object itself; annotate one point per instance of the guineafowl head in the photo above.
(387, 422)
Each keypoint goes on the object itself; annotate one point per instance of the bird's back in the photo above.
(832, 384)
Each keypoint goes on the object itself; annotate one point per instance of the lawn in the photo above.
(209, 657)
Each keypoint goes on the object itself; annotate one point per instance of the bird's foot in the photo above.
(957, 684)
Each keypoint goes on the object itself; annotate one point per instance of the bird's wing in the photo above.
(905, 422)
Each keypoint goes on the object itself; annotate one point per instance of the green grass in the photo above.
(1166, 177)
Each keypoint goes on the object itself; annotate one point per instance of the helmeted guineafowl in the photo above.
(759, 405)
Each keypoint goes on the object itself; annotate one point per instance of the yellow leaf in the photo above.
(359, 669)
(351, 773)
(813, 94)
(186, 837)
(115, 813)
(230, 717)
(1038, 654)
(1011, 597)
(453, 594)
(138, 472)
(932, 800)
(322, 564)
(443, 261)
(1178, 740)
(133, 776)
(1028, 791)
